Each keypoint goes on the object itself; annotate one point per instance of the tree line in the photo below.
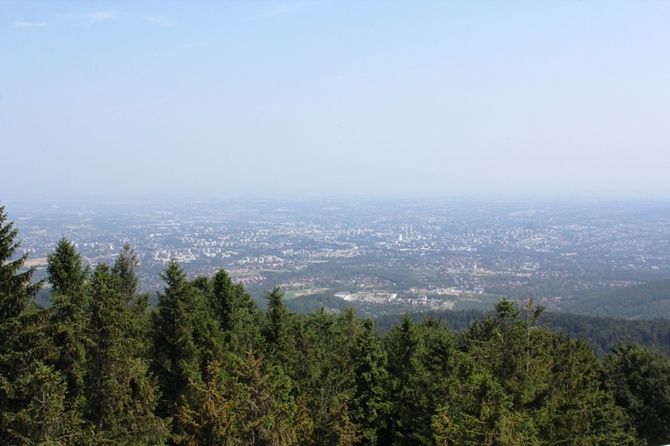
(601, 333)
(204, 366)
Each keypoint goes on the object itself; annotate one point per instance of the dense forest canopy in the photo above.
(205, 366)
(601, 333)
(645, 301)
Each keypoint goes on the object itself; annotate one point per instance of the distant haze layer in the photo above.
(301, 98)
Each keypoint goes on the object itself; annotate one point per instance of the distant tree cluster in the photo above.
(205, 367)
(601, 333)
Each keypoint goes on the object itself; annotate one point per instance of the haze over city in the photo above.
(291, 99)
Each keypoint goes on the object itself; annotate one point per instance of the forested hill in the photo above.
(601, 333)
(646, 301)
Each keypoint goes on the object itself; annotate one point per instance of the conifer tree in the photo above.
(31, 392)
(276, 329)
(368, 406)
(517, 384)
(402, 345)
(322, 373)
(269, 414)
(639, 379)
(224, 295)
(68, 279)
(121, 395)
(137, 303)
(213, 415)
(67, 274)
(124, 269)
(236, 314)
(186, 339)
(419, 363)
(175, 354)
(42, 420)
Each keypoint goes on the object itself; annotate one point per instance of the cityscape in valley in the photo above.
(396, 255)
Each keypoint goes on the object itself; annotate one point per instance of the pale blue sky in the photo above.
(230, 99)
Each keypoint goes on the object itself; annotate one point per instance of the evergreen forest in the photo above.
(204, 366)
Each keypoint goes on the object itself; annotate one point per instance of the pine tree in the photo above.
(368, 406)
(212, 416)
(270, 414)
(68, 278)
(224, 296)
(137, 303)
(186, 340)
(42, 420)
(121, 396)
(236, 313)
(515, 383)
(402, 345)
(276, 328)
(31, 392)
(323, 376)
(420, 360)
(67, 275)
(639, 379)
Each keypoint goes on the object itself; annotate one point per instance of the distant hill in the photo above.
(626, 322)
(647, 301)
(600, 332)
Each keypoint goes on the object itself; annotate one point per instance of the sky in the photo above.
(233, 99)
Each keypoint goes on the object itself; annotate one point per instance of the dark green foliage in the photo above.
(404, 368)
(599, 332)
(518, 384)
(31, 392)
(368, 405)
(322, 372)
(646, 301)
(457, 320)
(120, 394)
(639, 378)
(235, 312)
(276, 326)
(139, 324)
(175, 354)
(224, 296)
(68, 320)
(419, 364)
(207, 368)
(42, 419)
(186, 339)
(66, 273)
(15, 285)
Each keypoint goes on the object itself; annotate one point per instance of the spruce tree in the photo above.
(175, 354)
(42, 420)
(639, 379)
(31, 392)
(137, 303)
(276, 327)
(515, 383)
(269, 413)
(120, 394)
(68, 278)
(67, 274)
(420, 359)
(368, 405)
(223, 298)
(186, 340)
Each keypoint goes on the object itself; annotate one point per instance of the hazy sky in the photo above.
(231, 99)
